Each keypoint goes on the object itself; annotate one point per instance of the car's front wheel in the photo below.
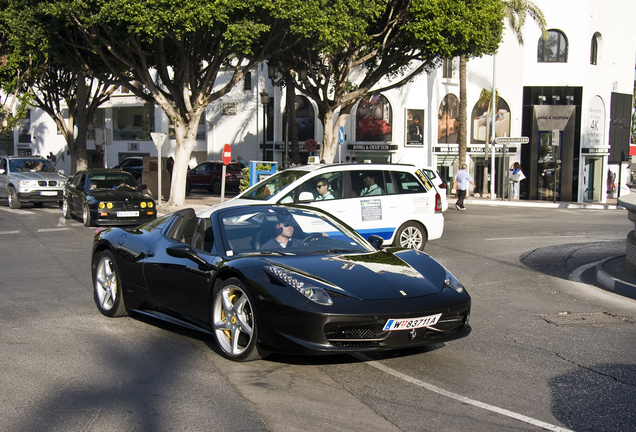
(215, 188)
(14, 203)
(234, 322)
(108, 294)
(411, 235)
(86, 215)
(66, 210)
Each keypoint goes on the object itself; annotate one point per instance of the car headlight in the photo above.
(62, 183)
(312, 292)
(451, 281)
(102, 205)
(28, 183)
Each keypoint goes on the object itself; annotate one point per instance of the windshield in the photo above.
(120, 180)
(31, 165)
(285, 231)
(272, 185)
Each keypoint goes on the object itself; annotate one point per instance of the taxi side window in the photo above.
(370, 183)
(408, 183)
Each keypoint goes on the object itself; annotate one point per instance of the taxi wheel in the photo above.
(14, 203)
(411, 235)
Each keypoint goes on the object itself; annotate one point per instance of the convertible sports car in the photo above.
(107, 197)
(274, 278)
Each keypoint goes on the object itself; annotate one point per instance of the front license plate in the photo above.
(48, 193)
(411, 323)
(127, 213)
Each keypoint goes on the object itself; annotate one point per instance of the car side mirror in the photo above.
(376, 241)
(306, 197)
(61, 172)
(183, 250)
(143, 187)
(2, 171)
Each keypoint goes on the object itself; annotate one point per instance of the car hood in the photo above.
(373, 275)
(37, 175)
(119, 195)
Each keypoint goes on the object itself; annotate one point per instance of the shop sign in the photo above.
(372, 147)
(228, 108)
(473, 149)
(594, 124)
(551, 117)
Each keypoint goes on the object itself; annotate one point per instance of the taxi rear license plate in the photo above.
(411, 323)
(127, 213)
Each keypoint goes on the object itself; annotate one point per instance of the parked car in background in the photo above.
(207, 175)
(440, 184)
(329, 291)
(26, 179)
(103, 196)
(133, 165)
(396, 202)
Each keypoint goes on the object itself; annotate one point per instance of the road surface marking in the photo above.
(369, 361)
(52, 229)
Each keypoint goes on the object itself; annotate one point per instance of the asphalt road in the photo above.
(546, 353)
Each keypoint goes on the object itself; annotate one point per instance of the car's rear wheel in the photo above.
(86, 215)
(14, 203)
(66, 210)
(107, 292)
(234, 322)
(215, 188)
(411, 235)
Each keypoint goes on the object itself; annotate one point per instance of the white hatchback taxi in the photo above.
(396, 202)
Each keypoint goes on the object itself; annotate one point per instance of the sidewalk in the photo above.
(612, 203)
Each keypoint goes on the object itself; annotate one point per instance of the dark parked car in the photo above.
(208, 175)
(133, 165)
(26, 179)
(328, 291)
(107, 197)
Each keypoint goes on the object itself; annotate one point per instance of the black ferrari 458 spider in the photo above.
(286, 279)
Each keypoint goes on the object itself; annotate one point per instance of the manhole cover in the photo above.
(566, 318)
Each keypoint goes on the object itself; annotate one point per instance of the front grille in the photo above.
(44, 183)
(41, 183)
(354, 333)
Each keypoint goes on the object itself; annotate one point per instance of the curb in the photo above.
(611, 282)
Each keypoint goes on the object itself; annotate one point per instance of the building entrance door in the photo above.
(592, 179)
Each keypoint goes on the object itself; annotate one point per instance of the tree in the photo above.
(176, 51)
(351, 46)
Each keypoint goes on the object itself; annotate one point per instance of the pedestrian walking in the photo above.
(516, 175)
(460, 184)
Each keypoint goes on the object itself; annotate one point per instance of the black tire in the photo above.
(234, 322)
(215, 188)
(66, 210)
(107, 292)
(86, 215)
(411, 235)
(14, 203)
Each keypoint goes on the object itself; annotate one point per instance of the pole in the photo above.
(264, 131)
(492, 125)
(224, 170)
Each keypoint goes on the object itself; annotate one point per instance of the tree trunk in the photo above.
(81, 162)
(290, 94)
(330, 143)
(185, 135)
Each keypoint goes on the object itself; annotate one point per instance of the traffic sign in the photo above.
(512, 140)
(158, 138)
(311, 145)
(341, 135)
(227, 154)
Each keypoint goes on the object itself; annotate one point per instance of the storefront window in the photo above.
(549, 168)
(447, 122)
(482, 118)
(374, 119)
(304, 119)
(133, 123)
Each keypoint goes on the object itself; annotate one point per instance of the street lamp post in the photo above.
(265, 102)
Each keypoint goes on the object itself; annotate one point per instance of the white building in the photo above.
(575, 88)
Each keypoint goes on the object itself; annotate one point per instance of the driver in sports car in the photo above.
(283, 238)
